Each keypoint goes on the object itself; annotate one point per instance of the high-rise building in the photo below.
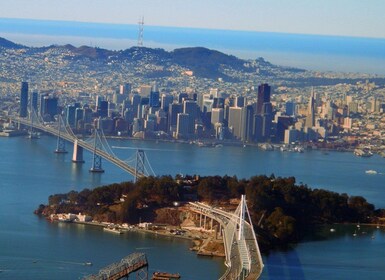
(70, 111)
(174, 110)
(237, 122)
(154, 96)
(24, 100)
(125, 89)
(240, 101)
(190, 107)
(34, 99)
(263, 97)
(216, 116)
(183, 126)
(166, 100)
(49, 107)
(310, 117)
(291, 108)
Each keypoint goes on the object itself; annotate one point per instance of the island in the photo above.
(282, 212)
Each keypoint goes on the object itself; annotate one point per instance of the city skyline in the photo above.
(340, 18)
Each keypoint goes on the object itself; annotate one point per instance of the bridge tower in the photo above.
(60, 144)
(97, 159)
(139, 168)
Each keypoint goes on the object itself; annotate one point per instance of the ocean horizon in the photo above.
(310, 52)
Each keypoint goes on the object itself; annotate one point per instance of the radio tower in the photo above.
(140, 35)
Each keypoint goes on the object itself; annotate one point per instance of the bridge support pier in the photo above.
(60, 147)
(77, 156)
(142, 274)
(97, 164)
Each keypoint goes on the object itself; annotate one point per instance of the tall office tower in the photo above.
(24, 100)
(217, 116)
(99, 99)
(42, 96)
(70, 115)
(182, 96)
(183, 126)
(34, 99)
(135, 102)
(50, 107)
(291, 108)
(79, 117)
(125, 89)
(214, 92)
(145, 90)
(249, 122)
(240, 101)
(103, 109)
(283, 123)
(166, 100)
(154, 96)
(237, 122)
(174, 110)
(263, 97)
(190, 107)
(218, 102)
(310, 118)
(267, 118)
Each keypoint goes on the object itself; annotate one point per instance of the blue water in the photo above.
(309, 51)
(31, 246)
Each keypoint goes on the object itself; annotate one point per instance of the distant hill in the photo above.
(204, 63)
(9, 45)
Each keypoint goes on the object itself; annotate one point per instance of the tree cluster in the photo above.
(279, 207)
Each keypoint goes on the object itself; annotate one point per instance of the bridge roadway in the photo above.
(72, 138)
(236, 266)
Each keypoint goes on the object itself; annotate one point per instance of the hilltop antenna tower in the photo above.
(140, 35)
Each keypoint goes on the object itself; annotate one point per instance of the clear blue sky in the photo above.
(328, 17)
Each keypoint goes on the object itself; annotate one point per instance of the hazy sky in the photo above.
(329, 17)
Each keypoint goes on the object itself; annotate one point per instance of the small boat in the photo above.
(371, 172)
(332, 230)
(355, 234)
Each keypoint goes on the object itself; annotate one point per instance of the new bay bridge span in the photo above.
(243, 257)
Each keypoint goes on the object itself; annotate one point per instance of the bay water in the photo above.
(33, 248)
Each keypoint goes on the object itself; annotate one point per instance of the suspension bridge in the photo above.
(243, 258)
(137, 165)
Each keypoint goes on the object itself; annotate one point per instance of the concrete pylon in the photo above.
(77, 156)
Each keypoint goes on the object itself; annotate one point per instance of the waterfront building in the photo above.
(24, 100)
